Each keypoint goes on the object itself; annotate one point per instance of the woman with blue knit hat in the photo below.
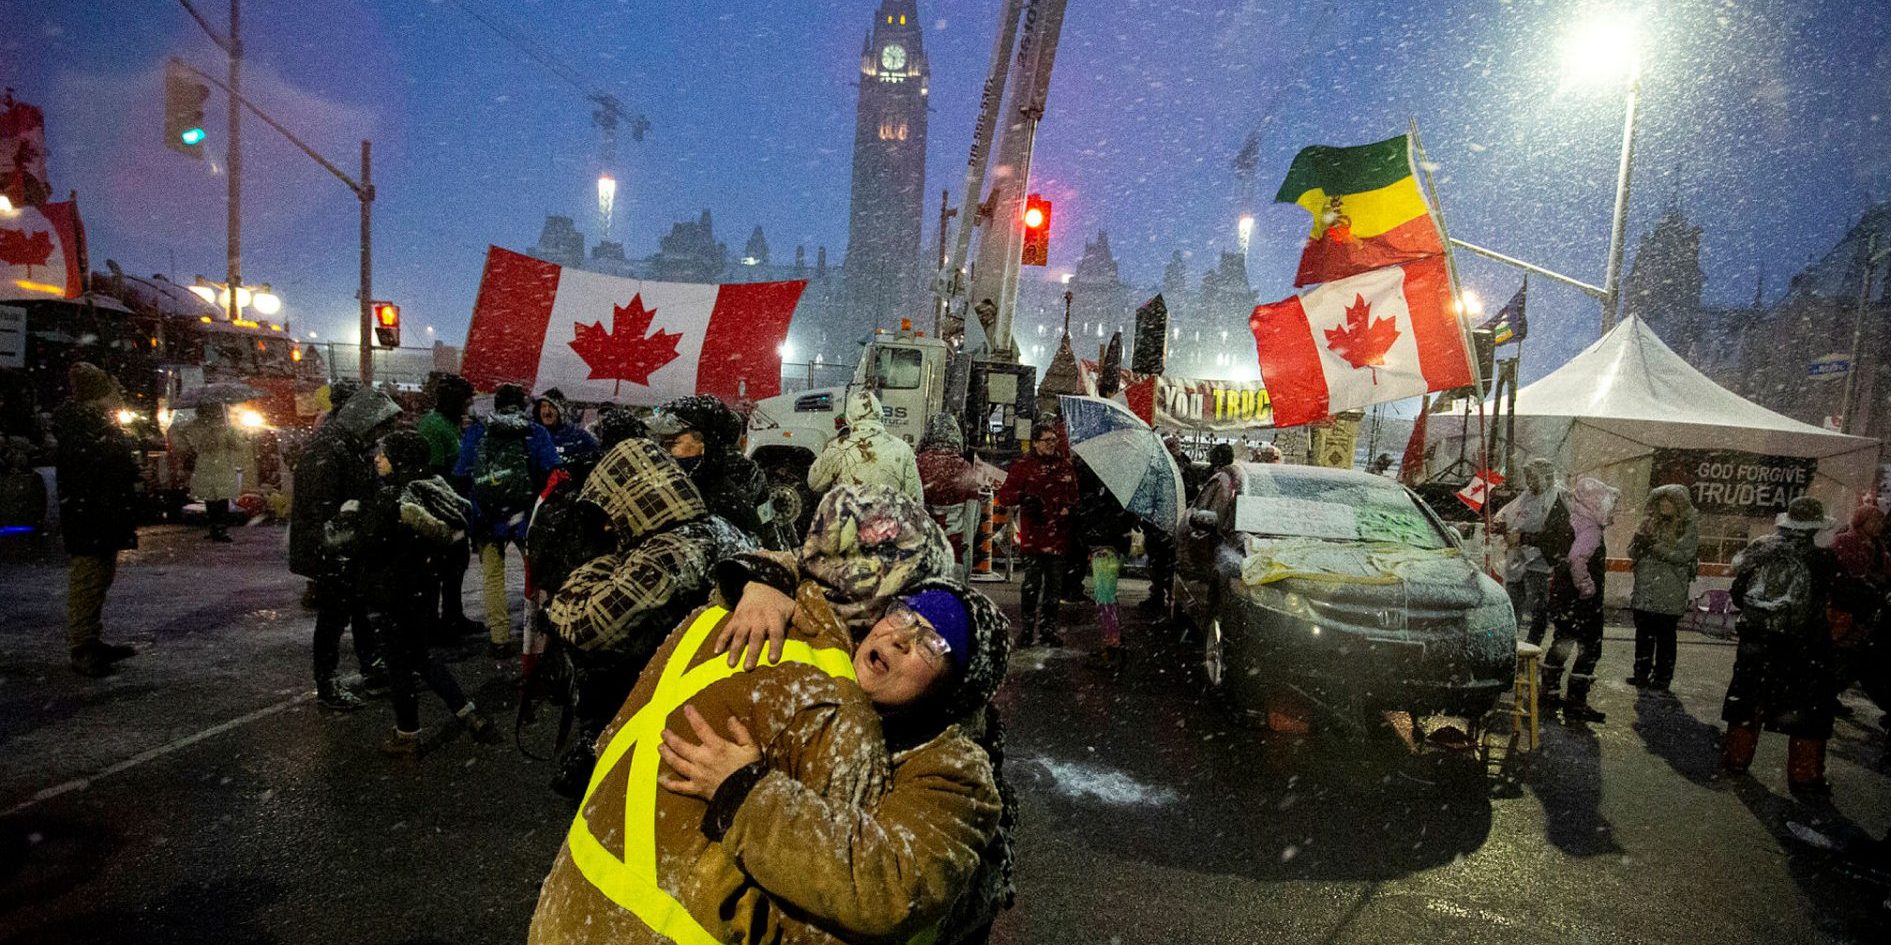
(939, 837)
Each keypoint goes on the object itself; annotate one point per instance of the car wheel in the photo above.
(1214, 655)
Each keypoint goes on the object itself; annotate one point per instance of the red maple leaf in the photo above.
(19, 248)
(1363, 345)
(625, 353)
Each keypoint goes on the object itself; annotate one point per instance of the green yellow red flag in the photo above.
(1367, 209)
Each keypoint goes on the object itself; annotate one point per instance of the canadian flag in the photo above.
(1378, 336)
(1477, 492)
(602, 338)
(40, 252)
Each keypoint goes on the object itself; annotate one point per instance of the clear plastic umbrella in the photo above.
(1127, 454)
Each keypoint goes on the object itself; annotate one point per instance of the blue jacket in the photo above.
(541, 456)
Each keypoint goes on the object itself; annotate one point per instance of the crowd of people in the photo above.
(794, 719)
(1809, 619)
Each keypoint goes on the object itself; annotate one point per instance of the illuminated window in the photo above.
(902, 19)
(891, 130)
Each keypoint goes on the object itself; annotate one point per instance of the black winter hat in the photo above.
(721, 427)
(407, 451)
(340, 389)
(451, 392)
(618, 424)
(509, 396)
(1220, 454)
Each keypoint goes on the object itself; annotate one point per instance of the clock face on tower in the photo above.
(893, 57)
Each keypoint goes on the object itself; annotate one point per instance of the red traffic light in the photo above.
(387, 324)
(1037, 232)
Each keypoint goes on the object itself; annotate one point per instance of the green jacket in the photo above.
(443, 441)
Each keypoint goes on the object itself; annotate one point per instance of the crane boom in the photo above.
(950, 280)
(996, 275)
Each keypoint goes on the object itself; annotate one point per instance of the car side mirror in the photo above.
(1203, 520)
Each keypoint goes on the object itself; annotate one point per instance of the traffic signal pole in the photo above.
(234, 162)
(364, 192)
(363, 189)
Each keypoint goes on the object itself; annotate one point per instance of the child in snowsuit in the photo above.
(1105, 564)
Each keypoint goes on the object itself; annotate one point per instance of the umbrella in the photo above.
(222, 392)
(1127, 454)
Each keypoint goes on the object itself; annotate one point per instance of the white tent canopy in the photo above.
(1607, 411)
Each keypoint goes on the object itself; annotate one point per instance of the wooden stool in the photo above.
(1523, 705)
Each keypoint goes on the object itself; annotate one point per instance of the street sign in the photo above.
(1832, 365)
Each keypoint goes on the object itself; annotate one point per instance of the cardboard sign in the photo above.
(1731, 482)
(1279, 515)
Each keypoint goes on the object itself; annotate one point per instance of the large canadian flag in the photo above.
(1381, 335)
(41, 252)
(604, 338)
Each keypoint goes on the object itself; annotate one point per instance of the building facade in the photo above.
(884, 279)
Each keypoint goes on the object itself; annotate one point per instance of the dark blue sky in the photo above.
(1768, 114)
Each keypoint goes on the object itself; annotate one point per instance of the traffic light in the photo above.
(387, 324)
(184, 97)
(1037, 231)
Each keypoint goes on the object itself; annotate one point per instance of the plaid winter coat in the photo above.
(625, 602)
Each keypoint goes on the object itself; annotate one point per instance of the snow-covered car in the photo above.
(1341, 590)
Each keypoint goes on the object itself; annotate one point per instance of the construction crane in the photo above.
(607, 116)
(1036, 26)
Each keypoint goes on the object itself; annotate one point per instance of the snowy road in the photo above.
(199, 796)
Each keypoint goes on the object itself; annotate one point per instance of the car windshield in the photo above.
(1334, 509)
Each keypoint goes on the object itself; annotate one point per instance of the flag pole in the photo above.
(1436, 210)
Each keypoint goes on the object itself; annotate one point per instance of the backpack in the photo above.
(502, 473)
(1779, 594)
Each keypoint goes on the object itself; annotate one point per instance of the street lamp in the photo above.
(1606, 48)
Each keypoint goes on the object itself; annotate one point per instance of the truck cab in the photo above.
(907, 372)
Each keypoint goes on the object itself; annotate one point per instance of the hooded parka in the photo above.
(98, 480)
(223, 461)
(945, 476)
(1666, 553)
(571, 440)
(334, 469)
(867, 455)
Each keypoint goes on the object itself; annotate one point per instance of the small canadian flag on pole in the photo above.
(1477, 492)
(603, 338)
(1379, 336)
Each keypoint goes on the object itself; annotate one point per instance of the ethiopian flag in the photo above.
(1367, 209)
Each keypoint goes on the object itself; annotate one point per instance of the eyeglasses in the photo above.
(906, 622)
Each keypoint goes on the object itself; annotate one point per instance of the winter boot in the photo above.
(399, 744)
(1549, 695)
(332, 695)
(1576, 708)
(92, 663)
(1027, 637)
(375, 680)
(480, 727)
(1736, 752)
(1805, 767)
(574, 769)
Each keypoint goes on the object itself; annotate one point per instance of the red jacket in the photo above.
(946, 478)
(1044, 525)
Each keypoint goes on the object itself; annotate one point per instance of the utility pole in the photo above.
(1618, 231)
(232, 46)
(234, 160)
(365, 191)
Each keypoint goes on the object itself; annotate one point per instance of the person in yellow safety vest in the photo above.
(873, 873)
(635, 866)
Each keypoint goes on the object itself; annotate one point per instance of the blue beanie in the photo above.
(949, 618)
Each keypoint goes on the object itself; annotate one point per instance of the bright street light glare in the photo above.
(1604, 47)
(1470, 303)
(268, 303)
(204, 292)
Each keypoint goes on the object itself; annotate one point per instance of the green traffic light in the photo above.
(192, 136)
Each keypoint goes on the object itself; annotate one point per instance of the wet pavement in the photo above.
(201, 796)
